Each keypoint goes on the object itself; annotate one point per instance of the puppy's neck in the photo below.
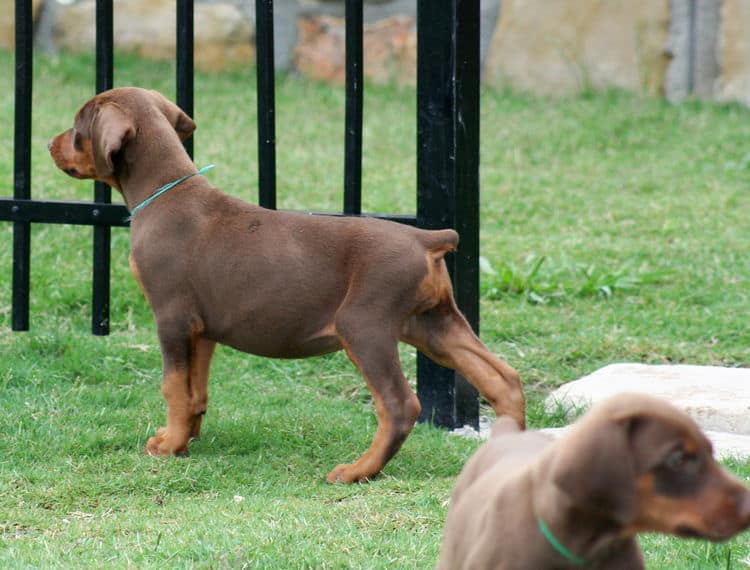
(156, 158)
(588, 535)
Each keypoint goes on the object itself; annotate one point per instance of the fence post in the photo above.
(186, 62)
(354, 104)
(102, 251)
(265, 62)
(22, 163)
(448, 178)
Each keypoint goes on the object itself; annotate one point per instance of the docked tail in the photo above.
(439, 242)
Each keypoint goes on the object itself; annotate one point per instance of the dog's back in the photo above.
(508, 449)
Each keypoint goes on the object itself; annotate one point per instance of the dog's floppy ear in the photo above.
(184, 125)
(179, 119)
(111, 129)
(595, 469)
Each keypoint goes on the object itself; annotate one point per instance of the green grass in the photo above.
(614, 229)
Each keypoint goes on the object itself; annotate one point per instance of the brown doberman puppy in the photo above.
(632, 464)
(285, 285)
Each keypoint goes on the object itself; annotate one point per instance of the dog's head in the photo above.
(646, 466)
(107, 124)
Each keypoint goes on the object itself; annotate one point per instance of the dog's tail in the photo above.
(439, 242)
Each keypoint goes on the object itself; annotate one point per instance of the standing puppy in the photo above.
(216, 269)
(632, 464)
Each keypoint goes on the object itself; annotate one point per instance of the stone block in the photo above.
(717, 398)
(565, 46)
(223, 35)
(726, 445)
(734, 52)
(8, 21)
(390, 50)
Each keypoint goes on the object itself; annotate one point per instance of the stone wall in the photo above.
(672, 48)
(734, 52)
(565, 46)
(8, 21)
(223, 34)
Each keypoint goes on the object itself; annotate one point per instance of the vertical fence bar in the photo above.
(22, 163)
(185, 61)
(354, 104)
(466, 185)
(448, 178)
(264, 54)
(102, 192)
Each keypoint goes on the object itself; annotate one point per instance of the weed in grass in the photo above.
(540, 280)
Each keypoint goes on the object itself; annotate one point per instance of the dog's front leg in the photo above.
(173, 439)
(200, 362)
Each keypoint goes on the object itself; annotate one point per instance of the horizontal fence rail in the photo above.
(447, 153)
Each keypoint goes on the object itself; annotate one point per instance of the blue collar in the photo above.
(163, 189)
(557, 545)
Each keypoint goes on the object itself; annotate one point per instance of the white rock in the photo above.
(725, 444)
(716, 398)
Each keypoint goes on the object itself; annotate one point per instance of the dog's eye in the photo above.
(77, 142)
(675, 459)
(680, 460)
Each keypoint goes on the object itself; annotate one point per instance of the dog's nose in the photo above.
(50, 143)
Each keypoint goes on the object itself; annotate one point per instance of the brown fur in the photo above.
(632, 464)
(285, 285)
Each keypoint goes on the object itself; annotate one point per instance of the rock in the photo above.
(223, 35)
(8, 21)
(716, 398)
(725, 444)
(390, 50)
(565, 46)
(734, 52)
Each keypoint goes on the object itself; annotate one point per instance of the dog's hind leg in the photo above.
(200, 362)
(375, 353)
(444, 335)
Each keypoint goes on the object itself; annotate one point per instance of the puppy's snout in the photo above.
(50, 144)
(743, 505)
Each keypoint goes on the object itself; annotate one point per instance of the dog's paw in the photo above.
(159, 445)
(195, 432)
(348, 473)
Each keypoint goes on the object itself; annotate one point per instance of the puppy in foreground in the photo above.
(632, 464)
(216, 269)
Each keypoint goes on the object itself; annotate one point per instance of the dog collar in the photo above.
(159, 191)
(556, 544)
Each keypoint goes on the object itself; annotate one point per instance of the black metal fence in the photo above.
(447, 159)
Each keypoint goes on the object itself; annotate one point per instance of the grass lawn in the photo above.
(614, 228)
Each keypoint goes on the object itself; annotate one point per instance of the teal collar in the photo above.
(557, 545)
(164, 189)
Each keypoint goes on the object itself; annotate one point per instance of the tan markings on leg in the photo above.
(180, 397)
(173, 439)
(436, 285)
(397, 408)
(444, 335)
(200, 363)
